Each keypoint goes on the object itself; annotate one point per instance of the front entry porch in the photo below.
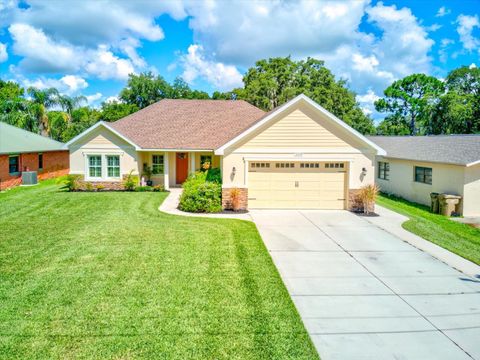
(172, 168)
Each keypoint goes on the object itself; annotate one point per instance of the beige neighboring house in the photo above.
(296, 156)
(415, 166)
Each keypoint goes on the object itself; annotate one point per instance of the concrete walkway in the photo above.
(392, 223)
(170, 206)
(363, 293)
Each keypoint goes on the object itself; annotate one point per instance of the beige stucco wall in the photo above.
(445, 179)
(471, 203)
(299, 135)
(102, 142)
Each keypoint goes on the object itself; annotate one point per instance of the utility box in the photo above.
(434, 208)
(29, 178)
(448, 203)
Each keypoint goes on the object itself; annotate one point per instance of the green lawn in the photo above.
(107, 276)
(459, 238)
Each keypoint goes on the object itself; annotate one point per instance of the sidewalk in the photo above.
(170, 206)
(392, 222)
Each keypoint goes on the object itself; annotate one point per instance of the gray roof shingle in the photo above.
(449, 149)
(14, 140)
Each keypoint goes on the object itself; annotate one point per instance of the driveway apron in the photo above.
(363, 293)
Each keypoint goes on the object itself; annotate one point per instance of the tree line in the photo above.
(415, 105)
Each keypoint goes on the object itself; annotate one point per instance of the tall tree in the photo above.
(14, 107)
(41, 102)
(410, 101)
(145, 89)
(114, 110)
(273, 82)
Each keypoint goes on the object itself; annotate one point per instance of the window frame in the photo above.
(161, 165)
(422, 179)
(108, 166)
(18, 165)
(383, 167)
(89, 156)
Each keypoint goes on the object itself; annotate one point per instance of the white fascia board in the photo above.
(176, 150)
(95, 126)
(473, 163)
(379, 150)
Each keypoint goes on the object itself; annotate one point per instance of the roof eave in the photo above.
(301, 97)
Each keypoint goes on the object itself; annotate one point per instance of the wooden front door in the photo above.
(181, 167)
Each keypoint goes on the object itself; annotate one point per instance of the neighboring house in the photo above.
(296, 156)
(21, 150)
(415, 166)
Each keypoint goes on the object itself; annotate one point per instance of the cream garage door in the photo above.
(296, 185)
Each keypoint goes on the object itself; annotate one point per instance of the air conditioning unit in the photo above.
(29, 178)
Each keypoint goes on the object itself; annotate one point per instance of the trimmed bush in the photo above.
(214, 175)
(71, 182)
(130, 182)
(200, 195)
(144, 188)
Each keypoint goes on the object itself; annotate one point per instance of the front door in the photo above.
(181, 167)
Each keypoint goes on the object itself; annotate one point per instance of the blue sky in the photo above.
(90, 47)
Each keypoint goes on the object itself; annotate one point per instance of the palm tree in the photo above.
(41, 101)
(70, 103)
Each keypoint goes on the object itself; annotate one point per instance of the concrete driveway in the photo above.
(365, 294)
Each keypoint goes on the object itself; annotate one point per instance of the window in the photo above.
(383, 170)
(259, 165)
(423, 175)
(95, 166)
(334, 165)
(40, 161)
(310, 165)
(14, 164)
(205, 159)
(157, 164)
(285, 165)
(113, 166)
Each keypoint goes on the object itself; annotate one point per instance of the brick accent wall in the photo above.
(104, 185)
(354, 202)
(55, 163)
(227, 202)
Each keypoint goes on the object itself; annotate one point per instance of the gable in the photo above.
(100, 138)
(300, 128)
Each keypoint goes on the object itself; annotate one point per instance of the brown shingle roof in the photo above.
(188, 124)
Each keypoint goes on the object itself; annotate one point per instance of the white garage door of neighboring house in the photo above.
(297, 185)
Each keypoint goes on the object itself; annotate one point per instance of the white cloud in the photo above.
(104, 64)
(68, 84)
(195, 63)
(466, 25)
(442, 52)
(74, 83)
(42, 54)
(94, 97)
(113, 99)
(443, 11)
(258, 29)
(367, 101)
(472, 66)
(3, 52)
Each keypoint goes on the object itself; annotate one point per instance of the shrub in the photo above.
(99, 187)
(143, 188)
(71, 182)
(368, 195)
(214, 175)
(159, 188)
(130, 182)
(200, 195)
(89, 186)
(235, 198)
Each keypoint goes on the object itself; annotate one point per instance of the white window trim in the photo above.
(104, 168)
(150, 163)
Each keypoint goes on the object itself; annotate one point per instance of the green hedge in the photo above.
(200, 194)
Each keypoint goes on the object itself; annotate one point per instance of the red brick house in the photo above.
(21, 150)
